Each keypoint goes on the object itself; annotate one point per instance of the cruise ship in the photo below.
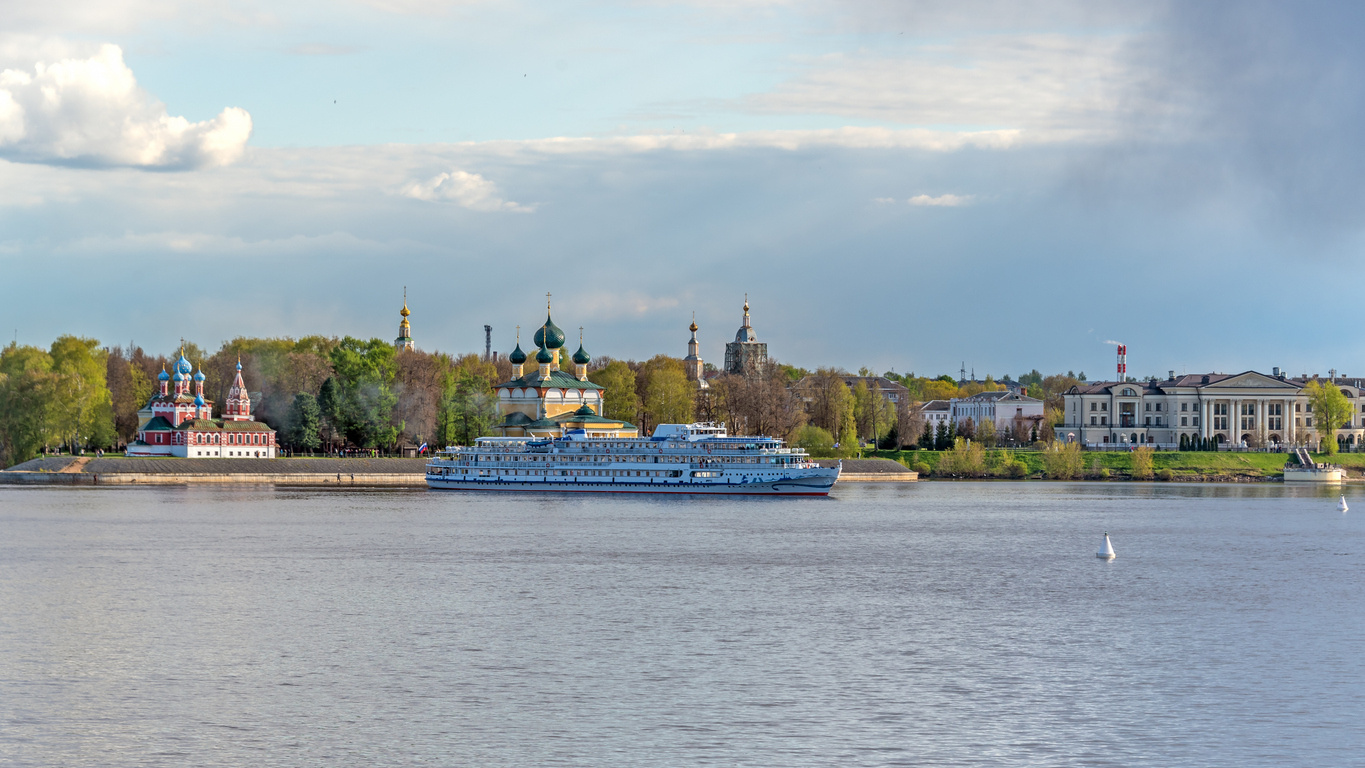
(678, 458)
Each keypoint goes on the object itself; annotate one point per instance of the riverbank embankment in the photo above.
(121, 471)
(1173, 466)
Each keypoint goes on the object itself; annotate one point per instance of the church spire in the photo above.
(404, 340)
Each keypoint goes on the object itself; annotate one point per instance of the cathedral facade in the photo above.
(549, 402)
(177, 423)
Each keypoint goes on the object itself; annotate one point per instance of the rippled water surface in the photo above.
(929, 624)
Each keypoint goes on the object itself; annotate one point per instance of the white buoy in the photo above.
(1341, 505)
(1107, 551)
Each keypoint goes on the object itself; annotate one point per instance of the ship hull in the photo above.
(818, 485)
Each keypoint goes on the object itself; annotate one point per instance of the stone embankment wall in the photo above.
(314, 472)
(872, 471)
(123, 471)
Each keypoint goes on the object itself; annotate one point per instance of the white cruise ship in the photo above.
(679, 458)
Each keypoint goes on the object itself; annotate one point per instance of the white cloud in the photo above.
(1048, 87)
(943, 201)
(468, 190)
(90, 111)
(850, 137)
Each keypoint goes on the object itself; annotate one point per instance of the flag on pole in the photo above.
(423, 448)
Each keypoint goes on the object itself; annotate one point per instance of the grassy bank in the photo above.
(1118, 465)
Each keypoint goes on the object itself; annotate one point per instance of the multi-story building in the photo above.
(1246, 408)
(1008, 411)
(935, 412)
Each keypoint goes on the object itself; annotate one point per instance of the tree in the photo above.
(468, 409)
(366, 370)
(305, 423)
(83, 413)
(926, 438)
(619, 401)
(848, 424)
(1330, 410)
(28, 390)
(331, 405)
(941, 437)
(875, 414)
(816, 441)
(967, 428)
(827, 399)
(763, 404)
(1142, 463)
(892, 440)
(667, 394)
(985, 433)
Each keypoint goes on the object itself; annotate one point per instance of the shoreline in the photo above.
(301, 472)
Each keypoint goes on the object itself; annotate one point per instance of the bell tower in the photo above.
(404, 340)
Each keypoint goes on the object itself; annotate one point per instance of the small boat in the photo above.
(1107, 551)
(1341, 505)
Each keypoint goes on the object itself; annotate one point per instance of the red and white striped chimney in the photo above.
(1123, 362)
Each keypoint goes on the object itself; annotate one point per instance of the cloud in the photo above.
(943, 201)
(849, 137)
(1052, 87)
(468, 190)
(91, 112)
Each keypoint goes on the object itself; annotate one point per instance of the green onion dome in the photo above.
(585, 411)
(544, 356)
(549, 336)
(581, 357)
(517, 357)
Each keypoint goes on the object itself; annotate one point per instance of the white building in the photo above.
(1006, 409)
(935, 412)
(1246, 408)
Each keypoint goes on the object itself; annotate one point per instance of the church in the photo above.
(746, 355)
(550, 402)
(177, 423)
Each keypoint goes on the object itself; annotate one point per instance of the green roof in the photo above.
(558, 380)
(158, 424)
(516, 419)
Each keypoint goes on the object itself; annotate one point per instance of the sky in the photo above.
(908, 186)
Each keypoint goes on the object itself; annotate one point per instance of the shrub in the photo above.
(1016, 468)
(1104, 473)
(1165, 475)
(967, 459)
(1063, 461)
(922, 468)
(1142, 463)
(816, 441)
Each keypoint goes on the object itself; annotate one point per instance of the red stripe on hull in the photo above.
(603, 490)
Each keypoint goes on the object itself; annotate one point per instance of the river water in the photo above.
(930, 624)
